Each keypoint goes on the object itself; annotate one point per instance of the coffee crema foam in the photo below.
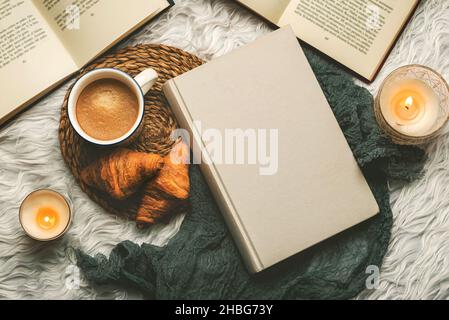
(107, 109)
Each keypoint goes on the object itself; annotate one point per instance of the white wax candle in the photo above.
(410, 106)
(45, 215)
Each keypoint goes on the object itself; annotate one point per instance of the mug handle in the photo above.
(146, 79)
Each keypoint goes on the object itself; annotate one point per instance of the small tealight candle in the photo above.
(45, 215)
(412, 104)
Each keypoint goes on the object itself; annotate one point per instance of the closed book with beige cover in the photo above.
(312, 188)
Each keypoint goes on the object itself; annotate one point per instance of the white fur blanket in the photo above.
(416, 266)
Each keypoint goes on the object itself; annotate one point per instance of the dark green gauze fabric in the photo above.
(202, 261)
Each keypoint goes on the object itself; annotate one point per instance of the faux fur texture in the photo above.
(415, 267)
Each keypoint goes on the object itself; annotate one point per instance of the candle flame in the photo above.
(409, 102)
(47, 218)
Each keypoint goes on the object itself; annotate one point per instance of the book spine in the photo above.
(243, 242)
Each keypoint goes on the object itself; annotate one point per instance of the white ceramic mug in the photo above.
(140, 85)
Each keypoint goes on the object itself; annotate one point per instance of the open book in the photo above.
(357, 33)
(42, 42)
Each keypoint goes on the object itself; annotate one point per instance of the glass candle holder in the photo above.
(412, 105)
(45, 215)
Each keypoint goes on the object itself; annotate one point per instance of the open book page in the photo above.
(356, 33)
(269, 9)
(89, 27)
(31, 56)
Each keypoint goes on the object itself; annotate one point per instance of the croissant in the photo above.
(168, 193)
(122, 172)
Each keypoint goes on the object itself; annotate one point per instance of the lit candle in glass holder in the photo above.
(413, 104)
(45, 215)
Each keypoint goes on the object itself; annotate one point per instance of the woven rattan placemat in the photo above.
(159, 121)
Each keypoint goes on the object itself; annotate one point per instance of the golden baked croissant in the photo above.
(122, 172)
(168, 193)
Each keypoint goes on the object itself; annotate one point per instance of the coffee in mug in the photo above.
(107, 109)
(106, 106)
